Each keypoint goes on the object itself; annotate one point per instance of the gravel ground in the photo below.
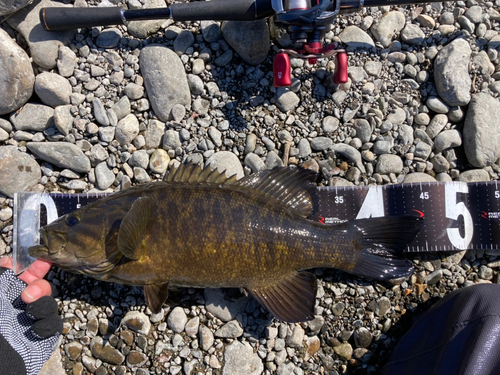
(105, 108)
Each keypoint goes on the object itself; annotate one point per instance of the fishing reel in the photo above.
(306, 22)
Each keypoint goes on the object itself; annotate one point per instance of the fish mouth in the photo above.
(38, 251)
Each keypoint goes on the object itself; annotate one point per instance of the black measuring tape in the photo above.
(458, 215)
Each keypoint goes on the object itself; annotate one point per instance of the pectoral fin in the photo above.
(133, 228)
(155, 296)
(292, 300)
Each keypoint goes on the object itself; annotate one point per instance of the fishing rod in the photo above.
(305, 20)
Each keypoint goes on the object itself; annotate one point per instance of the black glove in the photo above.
(28, 332)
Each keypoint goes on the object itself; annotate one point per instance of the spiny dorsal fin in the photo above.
(194, 173)
(292, 300)
(133, 227)
(292, 186)
(155, 295)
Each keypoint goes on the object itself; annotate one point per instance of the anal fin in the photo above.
(291, 300)
(155, 295)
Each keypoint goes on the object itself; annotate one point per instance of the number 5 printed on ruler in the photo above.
(456, 209)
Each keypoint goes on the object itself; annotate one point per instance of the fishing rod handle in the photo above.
(62, 18)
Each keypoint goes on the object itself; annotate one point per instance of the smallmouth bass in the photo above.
(199, 228)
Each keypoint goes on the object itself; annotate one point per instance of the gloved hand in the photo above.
(28, 331)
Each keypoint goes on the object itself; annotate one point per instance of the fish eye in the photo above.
(72, 220)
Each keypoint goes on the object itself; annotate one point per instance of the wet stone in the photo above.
(105, 352)
(136, 359)
(362, 337)
(137, 321)
(73, 350)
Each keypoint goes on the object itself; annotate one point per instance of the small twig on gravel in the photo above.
(286, 154)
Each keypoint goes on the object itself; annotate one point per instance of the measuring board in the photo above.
(457, 215)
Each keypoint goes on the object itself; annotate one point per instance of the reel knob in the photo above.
(341, 68)
(281, 70)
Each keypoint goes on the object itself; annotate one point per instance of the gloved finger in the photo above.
(38, 269)
(10, 286)
(45, 312)
(35, 290)
(48, 326)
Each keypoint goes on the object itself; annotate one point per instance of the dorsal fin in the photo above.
(292, 186)
(194, 173)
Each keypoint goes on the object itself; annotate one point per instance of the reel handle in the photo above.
(341, 68)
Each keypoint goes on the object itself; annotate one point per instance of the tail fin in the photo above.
(383, 242)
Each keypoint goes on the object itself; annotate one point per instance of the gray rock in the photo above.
(107, 133)
(373, 68)
(16, 74)
(206, 337)
(100, 112)
(53, 89)
(351, 154)
(412, 34)
(165, 79)
(201, 106)
(330, 124)
(474, 13)
(211, 31)
(109, 38)
(140, 158)
(183, 41)
(321, 143)
(363, 130)
(296, 338)
(422, 150)
(397, 117)
(389, 25)
(154, 133)
(141, 176)
(417, 177)
(286, 100)
(406, 134)
(437, 105)
(389, 163)
(447, 139)
(482, 130)
(33, 117)
(97, 154)
(121, 108)
(355, 38)
(18, 171)
(434, 277)
(192, 326)
(43, 45)
(222, 308)
(240, 358)
(304, 148)
(143, 29)
(195, 84)
(224, 59)
(104, 176)
(137, 321)
(177, 319)
(134, 91)
(226, 161)
(440, 164)
(171, 140)
(61, 154)
(254, 162)
(273, 160)
(474, 175)
(382, 147)
(127, 129)
(158, 163)
(437, 124)
(63, 119)
(451, 73)
(230, 330)
(249, 39)
(66, 61)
